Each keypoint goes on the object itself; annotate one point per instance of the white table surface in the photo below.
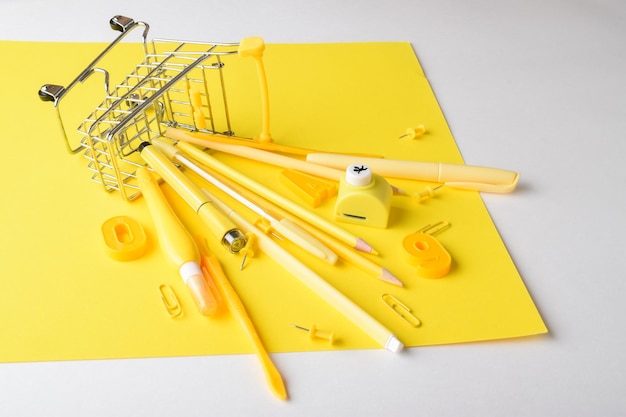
(538, 86)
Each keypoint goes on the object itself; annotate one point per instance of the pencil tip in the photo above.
(363, 246)
(387, 276)
(398, 191)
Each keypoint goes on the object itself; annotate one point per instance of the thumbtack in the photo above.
(425, 194)
(248, 250)
(315, 333)
(414, 132)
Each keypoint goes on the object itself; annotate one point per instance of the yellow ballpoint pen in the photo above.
(177, 244)
(223, 229)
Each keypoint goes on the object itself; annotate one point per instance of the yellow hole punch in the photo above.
(124, 238)
(363, 198)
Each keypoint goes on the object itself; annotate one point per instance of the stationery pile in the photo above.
(268, 226)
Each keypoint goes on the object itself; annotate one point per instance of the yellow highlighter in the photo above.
(222, 227)
(178, 245)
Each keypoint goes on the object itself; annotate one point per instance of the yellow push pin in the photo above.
(315, 333)
(414, 132)
(425, 194)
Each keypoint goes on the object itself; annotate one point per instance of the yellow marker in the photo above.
(211, 265)
(223, 229)
(177, 244)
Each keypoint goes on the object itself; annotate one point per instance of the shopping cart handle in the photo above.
(121, 23)
(50, 92)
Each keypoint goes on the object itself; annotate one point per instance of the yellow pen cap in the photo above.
(220, 225)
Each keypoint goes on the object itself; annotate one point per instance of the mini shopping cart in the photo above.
(179, 84)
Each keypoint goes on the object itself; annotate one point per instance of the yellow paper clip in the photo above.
(170, 301)
(401, 309)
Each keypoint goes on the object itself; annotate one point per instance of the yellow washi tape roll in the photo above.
(427, 254)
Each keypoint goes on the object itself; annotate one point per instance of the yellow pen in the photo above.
(223, 228)
(467, 177)
(177, 244)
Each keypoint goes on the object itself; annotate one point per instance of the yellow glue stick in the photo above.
(177, 244)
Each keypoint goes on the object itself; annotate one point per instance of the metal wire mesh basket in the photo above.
(179, 83)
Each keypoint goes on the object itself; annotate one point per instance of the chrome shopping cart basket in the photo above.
(178, 84)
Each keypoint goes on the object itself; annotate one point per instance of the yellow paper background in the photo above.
(62, 297)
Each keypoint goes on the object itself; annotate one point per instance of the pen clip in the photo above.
(485, 187)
